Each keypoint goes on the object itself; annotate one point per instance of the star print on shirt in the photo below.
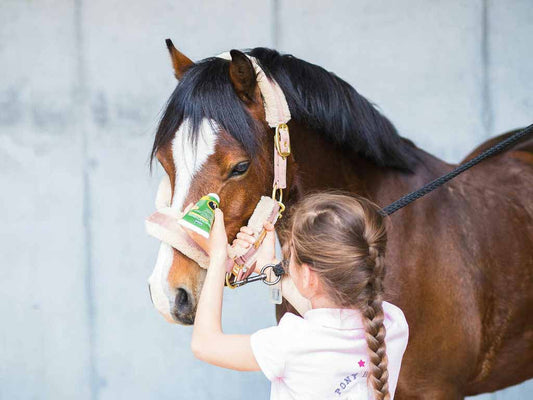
(361, 363)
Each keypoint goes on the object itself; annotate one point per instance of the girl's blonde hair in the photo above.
(343, 238)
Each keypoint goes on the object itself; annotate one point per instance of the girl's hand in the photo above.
(267, 251)
(217, 245)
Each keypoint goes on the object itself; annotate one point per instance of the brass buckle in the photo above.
(277, 141)
(275, 192)
(228, 275)
(235, 271)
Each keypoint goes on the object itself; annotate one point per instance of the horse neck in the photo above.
(322, 165)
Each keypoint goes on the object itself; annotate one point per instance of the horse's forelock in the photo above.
(206, 92)
(317, 99)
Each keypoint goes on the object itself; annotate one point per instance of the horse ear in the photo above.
(242, 76)
(180, 62)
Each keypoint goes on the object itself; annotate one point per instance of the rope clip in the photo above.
(276, 268)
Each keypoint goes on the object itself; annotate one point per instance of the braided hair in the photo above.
(342, 237)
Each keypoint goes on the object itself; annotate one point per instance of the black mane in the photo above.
(317, 99)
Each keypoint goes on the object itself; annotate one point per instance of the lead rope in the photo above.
(277, 269)
(409, 198)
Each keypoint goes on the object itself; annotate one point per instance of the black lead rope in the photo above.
(409, 198)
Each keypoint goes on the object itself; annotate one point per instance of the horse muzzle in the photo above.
(173, 284)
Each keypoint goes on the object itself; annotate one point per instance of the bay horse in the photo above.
(459, 261)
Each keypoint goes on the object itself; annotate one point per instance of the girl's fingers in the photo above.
(241, 243)
(250, 239)
(247, 230)
(217, 239)
(268, 226)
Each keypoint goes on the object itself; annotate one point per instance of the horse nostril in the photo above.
(182, 298)
(183, 306)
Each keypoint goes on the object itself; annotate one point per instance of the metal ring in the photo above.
(228, 274)
(270, 283)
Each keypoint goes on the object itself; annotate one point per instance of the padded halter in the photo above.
(163, 224)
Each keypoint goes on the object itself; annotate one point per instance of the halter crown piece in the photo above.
(163, 223)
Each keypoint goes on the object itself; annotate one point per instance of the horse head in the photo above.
(212, 137)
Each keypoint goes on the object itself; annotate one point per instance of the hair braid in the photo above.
(343, 239)
(375, 330)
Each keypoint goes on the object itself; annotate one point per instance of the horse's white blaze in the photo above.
(159, 289)
(187, 163)
(164, 193)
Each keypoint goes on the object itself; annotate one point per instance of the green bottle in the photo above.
(200, 217)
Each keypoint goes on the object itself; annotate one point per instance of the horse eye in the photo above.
(239, 169)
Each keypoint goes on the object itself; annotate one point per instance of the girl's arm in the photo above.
(209, 343)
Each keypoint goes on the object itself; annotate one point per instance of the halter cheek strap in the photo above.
(277, 115)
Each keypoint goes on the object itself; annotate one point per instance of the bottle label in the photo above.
(200, 218)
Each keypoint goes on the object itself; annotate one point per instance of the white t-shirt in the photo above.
(324, 354)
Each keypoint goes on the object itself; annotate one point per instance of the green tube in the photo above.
(200, 218)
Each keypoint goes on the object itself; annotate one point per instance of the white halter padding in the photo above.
(163, 225)
(276, 107)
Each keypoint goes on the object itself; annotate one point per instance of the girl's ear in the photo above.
(309, 281)
(314, 282)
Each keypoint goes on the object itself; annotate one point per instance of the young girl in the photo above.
(349, 343)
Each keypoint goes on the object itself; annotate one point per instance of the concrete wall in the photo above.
(82, 84)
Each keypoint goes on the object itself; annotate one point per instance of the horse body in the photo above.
(459, 261)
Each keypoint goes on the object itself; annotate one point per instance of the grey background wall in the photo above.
(82, 84)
